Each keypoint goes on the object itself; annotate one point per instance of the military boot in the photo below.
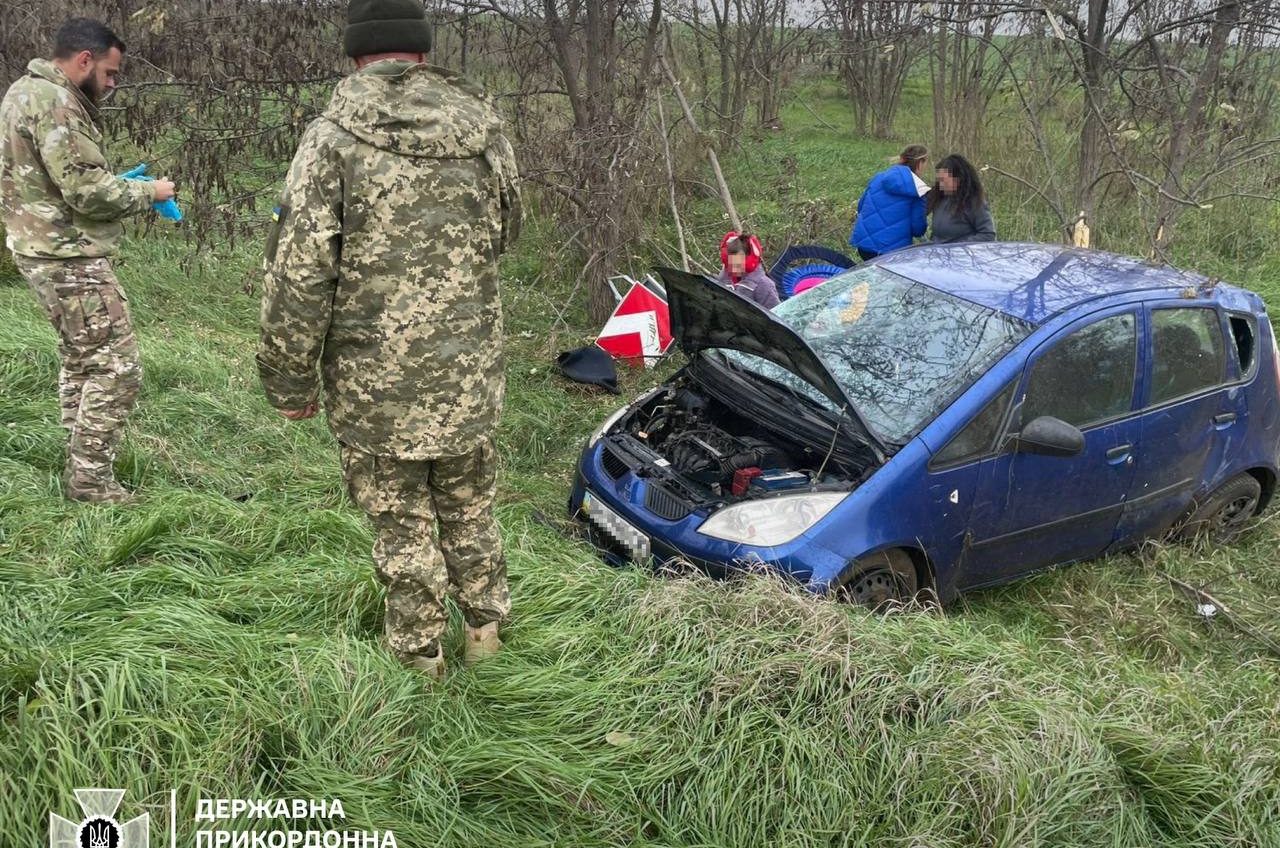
(430, 666)
(77, 488)
(481, 643)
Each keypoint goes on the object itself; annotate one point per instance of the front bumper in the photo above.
(613, 513)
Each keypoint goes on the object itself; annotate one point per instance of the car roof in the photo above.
(1035, 282)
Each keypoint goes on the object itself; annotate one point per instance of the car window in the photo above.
(1244, 332)
(1186, 348)
(1088, 376)
(979, 435)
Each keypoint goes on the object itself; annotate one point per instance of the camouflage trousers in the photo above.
(101, 372)
(435, 536)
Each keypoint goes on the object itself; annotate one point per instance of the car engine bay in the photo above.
(707, 453)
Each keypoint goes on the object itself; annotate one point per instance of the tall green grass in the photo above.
(221, 638)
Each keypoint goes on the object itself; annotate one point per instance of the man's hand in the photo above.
(307, 411)
(165, 190)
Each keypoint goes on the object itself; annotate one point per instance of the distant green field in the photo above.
(221, 637)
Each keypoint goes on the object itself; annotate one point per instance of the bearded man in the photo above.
(63, 208)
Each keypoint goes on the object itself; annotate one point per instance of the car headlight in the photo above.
(607, 426)
(771, 521)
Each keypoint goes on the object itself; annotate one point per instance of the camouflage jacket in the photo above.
(58, 198)
(382, 264)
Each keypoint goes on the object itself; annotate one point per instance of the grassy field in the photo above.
(220, 638)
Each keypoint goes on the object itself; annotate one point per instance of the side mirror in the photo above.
(1049, 436)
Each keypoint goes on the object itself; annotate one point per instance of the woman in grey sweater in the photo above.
(958, 204)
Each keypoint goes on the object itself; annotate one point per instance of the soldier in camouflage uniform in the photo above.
(62, 209)
(382, 267)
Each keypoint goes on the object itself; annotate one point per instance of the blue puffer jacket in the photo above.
(890, 212)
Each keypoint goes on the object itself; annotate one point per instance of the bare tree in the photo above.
(1196, 86)
(782, 41)
(964, 70)
(757, 46)
(603, 59)
(1164, 106)
(879, 42)
(1152, 76)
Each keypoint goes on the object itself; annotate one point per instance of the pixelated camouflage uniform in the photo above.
(62, 209)
(382, 266)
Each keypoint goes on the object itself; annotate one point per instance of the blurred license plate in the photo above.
(616, 527)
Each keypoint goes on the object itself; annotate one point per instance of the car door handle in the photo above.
(1120, 453)
(1224, 419)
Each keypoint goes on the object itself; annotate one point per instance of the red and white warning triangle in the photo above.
(639, 329)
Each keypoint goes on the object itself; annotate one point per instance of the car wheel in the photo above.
(1224, 514)
(883, 579)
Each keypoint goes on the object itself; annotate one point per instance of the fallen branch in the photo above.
(671, 185)
(1203, 597)
(816, 116)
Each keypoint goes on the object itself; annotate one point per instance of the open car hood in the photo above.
(706, 315)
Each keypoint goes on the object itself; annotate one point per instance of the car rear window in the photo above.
(1187, 349)
(1245, 333)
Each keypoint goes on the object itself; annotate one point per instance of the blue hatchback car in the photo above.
(943, 418)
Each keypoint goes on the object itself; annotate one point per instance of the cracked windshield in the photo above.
(900, 350)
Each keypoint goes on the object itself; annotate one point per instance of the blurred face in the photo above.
(737, 264)
(95, 76)
(947, 181)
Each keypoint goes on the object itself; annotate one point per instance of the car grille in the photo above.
(664, 504)
(614, 465)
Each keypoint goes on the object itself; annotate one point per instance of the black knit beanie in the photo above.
(386, 26)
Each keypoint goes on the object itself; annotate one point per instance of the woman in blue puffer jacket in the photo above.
(891, 212)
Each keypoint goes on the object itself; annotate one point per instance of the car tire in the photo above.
(879, 581)
(1225, 514)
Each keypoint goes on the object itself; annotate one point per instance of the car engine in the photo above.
(709, 455)
(721, 452)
